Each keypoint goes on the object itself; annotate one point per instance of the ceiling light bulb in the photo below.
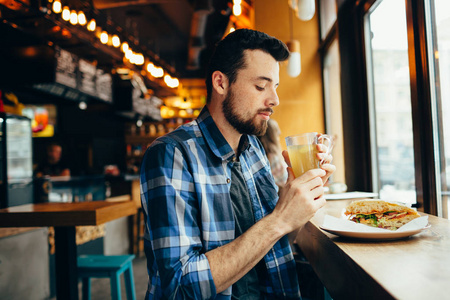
(133, 58)
(150, 67)
(92, 25)
(124, 47)
(158, 72)
(167, 79)
(73, 17)
(128, 54)
(65, 13)
(294, 66)
(57, 7)
(104, 37)
(306, 9)
(237, 9)
(116, 41)
(81, 18)
(139, 59)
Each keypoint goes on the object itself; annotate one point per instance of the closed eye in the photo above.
(259, 88)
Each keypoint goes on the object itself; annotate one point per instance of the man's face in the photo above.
(54, 154)
(249, 101)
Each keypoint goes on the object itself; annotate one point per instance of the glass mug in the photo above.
(303, 151)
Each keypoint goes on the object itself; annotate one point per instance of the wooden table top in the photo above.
(417, 267)
(65, 214)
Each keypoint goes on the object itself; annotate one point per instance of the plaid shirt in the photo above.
(185, 193)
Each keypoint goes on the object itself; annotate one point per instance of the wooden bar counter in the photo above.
(65, 217)
(416, 267)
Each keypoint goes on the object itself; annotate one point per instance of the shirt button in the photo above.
(228, 180)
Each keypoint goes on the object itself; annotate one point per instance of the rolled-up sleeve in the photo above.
(172, 209)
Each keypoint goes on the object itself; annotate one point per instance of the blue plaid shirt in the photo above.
(185, 193)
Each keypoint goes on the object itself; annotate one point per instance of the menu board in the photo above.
(86, 77)
(82, 76)
(66, 68)
(103, 83)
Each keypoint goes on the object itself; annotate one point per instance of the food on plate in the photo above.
(379, 213)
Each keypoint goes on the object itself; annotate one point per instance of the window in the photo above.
(438, 31)
(333, 108)
(328, 16)
(391, 131)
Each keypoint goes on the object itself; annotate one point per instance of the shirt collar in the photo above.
(214, 138)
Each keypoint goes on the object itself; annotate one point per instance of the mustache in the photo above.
(269, 110)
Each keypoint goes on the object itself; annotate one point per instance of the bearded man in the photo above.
(215, 225)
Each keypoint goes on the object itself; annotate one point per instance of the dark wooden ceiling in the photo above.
(180, 32)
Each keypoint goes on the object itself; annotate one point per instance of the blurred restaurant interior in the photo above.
(104, 78)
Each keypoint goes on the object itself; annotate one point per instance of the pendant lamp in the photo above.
(306, 9)
(294, 66)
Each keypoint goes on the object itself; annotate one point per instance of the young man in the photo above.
(216, 228)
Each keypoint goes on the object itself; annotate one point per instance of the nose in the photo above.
(273, 99)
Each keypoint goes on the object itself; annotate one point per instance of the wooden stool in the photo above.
(101, 266)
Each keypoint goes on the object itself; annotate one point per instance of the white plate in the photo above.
(388, 235)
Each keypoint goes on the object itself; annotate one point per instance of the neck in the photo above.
(231, 135)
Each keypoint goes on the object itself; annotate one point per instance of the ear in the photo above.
(219, 82)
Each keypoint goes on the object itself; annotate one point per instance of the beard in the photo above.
(246, 124)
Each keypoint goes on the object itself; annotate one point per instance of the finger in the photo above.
(311, 174)
(322, 148)
(320, 202)
(291, 175)
(314, 187)
(325, 158)
(329, 168)
(286, 158)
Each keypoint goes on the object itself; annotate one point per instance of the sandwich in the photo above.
(379, 213)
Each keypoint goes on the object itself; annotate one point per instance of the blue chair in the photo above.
(102, 266)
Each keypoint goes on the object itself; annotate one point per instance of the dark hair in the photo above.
(228, 57)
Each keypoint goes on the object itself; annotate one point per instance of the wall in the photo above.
(301, 104)
(116, 240)
(24, 266)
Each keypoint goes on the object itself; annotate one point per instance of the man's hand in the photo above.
(300, 199)
(303, 196)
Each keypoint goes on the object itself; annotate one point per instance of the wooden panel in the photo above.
(301, 99)
(65, 214)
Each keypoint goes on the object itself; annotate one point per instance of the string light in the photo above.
(65, 13)
(104, 37)
(57, 7)
(115, 41)
(171, 82)
(73, 17)
(124, 47)
(128, 54)
(139, 59)
(92, 25)
(81, 18)
(237, 10)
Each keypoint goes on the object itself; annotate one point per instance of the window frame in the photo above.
(355, 98)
